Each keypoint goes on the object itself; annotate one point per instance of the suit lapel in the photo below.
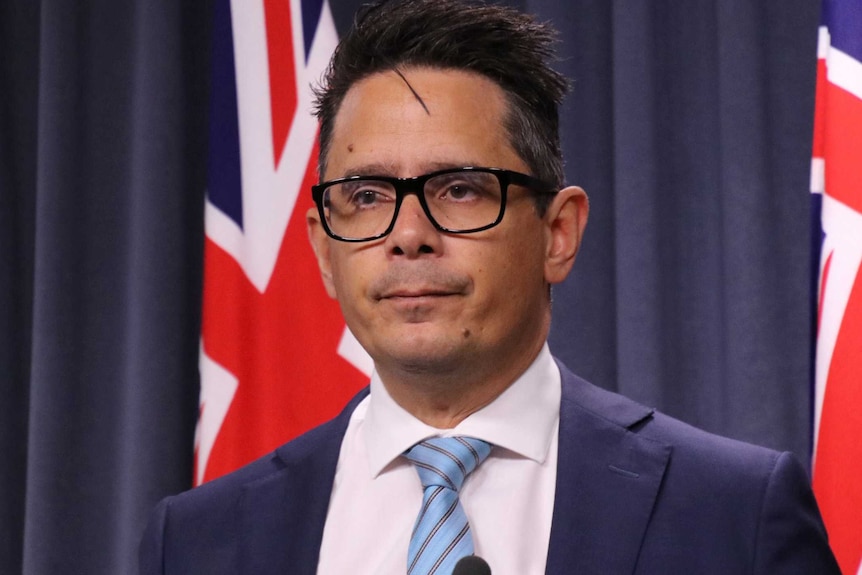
(608, 478)
(283, 514)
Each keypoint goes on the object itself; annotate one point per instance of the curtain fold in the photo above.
(689, 125)
(105, 276)
(697, 170)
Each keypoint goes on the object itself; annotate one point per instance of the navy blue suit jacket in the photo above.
(637, 493)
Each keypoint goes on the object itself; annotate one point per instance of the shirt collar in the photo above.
(522, 419)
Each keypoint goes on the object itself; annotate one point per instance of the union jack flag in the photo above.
(836, 185)
(276, 358)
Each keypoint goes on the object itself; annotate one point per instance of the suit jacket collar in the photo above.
(608, 479)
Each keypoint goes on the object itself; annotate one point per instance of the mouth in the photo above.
(418, 283)
(416, 305)
(415, 294)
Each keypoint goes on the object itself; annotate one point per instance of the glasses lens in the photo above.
(461, 201)
(359, 209)
(464, 201)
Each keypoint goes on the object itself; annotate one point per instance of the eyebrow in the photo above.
(390, 169)
(371, 169)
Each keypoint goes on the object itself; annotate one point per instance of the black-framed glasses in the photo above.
(457, 201)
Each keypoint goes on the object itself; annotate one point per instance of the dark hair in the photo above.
(500, 43)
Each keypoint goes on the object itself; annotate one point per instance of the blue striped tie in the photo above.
(442, 534)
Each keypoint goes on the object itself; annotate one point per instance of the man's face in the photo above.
(419, 299)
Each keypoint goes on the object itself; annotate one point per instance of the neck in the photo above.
(445, 399)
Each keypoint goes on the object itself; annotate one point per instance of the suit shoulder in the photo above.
(199, 531)
(715, 454)
(319, 446)
(691, 446)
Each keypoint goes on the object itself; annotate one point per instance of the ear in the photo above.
(320, 244)
(565, 221)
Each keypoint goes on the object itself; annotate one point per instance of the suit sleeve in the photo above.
(791, 537)
(151, 552)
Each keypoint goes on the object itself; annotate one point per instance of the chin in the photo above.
(421, 355)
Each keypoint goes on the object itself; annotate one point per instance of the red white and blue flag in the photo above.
(836, 186)
(276, 358)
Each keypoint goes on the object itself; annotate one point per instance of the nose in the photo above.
(413, 234)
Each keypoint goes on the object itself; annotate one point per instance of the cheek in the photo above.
(520, 272)
(507, 276)
(344, 279)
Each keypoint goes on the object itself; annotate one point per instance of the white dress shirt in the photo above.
(508, 500)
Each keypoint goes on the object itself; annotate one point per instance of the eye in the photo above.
(463, 187)
(461, 191)
(364, 195)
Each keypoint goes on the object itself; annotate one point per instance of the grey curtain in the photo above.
(101, 185)
(689, 125)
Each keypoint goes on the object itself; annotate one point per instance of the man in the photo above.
(441, 224)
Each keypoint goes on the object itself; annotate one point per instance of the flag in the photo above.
(836, 185)
(276, 358)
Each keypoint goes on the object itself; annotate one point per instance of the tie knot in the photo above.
(447, 461)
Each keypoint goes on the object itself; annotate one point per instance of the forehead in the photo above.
(420, 119)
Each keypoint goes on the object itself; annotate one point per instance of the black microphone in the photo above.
(471, 565)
